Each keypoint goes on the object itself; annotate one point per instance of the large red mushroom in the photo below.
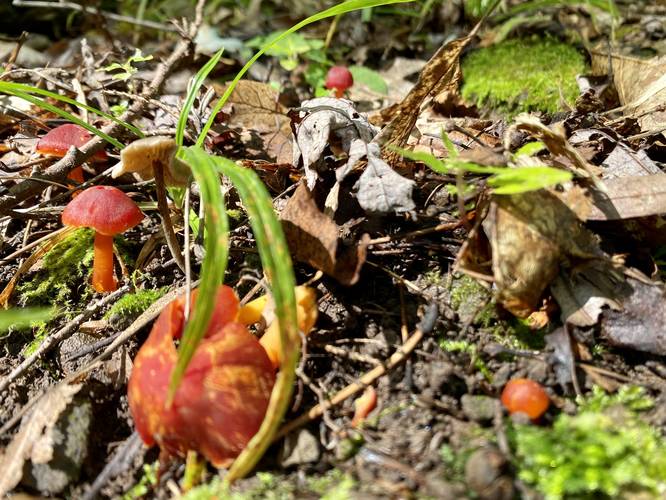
(222, 399)
(57, 142)
(108, 211)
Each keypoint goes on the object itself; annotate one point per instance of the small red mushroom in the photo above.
(363, 405)
(57, 142)
(222, 399)
(108, 211)
(340, 79)
(522, 395)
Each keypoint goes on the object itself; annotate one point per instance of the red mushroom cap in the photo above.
(339, 78)
(106, 209)
(57, 141)
(522, 395)
(222, 399)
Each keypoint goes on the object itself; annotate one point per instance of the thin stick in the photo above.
(398, 357)
(65, 332)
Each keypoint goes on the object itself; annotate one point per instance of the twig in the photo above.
(87, 10)
(59, 336)
(398, 357)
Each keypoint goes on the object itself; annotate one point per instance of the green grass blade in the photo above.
(19, 318)
(342, 8)
(198, 81)
(216, 246)
(68, 116)
(10, 88)
(277, 265)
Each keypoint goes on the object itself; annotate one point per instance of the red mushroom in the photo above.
(108, 211)
(57, 142)
(522, 395)
(222, 399)
(340, 79)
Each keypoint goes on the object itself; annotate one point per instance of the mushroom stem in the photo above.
(102, 277)
(163, 208)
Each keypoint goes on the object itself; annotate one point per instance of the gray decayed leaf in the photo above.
(641, 324)
(380, 189)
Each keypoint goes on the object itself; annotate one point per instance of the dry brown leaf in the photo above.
(314, 238)
(441, 73)
(641, 86)
(255, 106)
(33, 441)
(529, 235)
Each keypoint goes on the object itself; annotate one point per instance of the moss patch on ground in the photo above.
(605, 451)
(526, 74)
(62, 270)
(132, 305)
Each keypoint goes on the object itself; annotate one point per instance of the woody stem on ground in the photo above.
(163, 208)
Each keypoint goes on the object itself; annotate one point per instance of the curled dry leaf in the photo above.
(313, 237)
(328, 124)
(34, 440)
(530, 234)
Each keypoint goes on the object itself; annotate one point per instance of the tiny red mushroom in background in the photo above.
(222, 399)
(340, 79)
(363, 405)
(522, 395)
(108, 211)
(57, 142)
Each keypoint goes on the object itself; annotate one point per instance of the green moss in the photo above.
(471, 300)
(63, 269)
(334, 485)
(604, 451)
(528, 74)
(133, 304)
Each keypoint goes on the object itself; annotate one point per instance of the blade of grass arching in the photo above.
(68, 116)
(18, 318)
(276, 262)
(214, 263)
(342, 8)
(197, 82)
(10, 88)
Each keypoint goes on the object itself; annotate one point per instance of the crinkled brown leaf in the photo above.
(255, 106)
(629, 197)
(530, 234)
(34, 441)
(314, 238)
(641, 86)
(441, 74)
(641, 324)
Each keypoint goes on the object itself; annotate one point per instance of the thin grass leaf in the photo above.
(197, 82)
(66, 115)
(276, 261)
(10, 87)
(342, 8)
(216, 245)
(18, 318)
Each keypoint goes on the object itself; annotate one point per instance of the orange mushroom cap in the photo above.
(57, 141)
(522, 395)
(106, 209)
(222, 399)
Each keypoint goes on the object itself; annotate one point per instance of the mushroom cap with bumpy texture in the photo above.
(106, 209)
